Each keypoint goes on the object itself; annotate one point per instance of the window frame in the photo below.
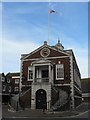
(59, 78)
(2, 79)
(8, 80)
(16, 81)
(30, 69)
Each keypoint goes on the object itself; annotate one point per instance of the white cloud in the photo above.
(12, 51)
(81, 55)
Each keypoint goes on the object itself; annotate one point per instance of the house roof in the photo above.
(8, 75)
(85, 84)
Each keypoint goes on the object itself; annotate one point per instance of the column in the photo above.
(33, 97)
(50, 74)
(33, 74)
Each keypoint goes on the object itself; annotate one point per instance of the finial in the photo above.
(45, 42)
(58, 41)
(59, 45)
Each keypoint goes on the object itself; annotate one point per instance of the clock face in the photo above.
(45, 52)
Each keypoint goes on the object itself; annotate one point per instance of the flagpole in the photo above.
(48, 26)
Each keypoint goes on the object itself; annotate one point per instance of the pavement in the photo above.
(7, 112)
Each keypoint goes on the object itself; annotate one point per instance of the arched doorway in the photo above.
(41, 99)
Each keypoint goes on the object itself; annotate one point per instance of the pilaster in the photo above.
(72, 103)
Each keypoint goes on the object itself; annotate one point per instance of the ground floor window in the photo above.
(16, 89)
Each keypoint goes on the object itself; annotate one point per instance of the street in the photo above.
(39, 114)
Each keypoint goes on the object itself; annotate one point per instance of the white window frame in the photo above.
(3, 79)
(17, 81)
(4, 88)
(30, 69)
(8, 80)
(59, 78)
(15, 89)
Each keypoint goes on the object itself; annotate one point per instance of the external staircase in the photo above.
(15, 103)
(61, 101)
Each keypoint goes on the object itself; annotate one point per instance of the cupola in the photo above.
(59, 45)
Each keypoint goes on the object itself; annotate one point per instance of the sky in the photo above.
(25, 28)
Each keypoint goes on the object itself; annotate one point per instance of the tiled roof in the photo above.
(85, 83)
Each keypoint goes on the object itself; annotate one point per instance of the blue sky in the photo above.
(25, 28)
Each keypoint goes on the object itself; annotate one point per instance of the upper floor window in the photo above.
(30, 73)
(59, 71)
(16, 81)
(8, 80)
(3, 79)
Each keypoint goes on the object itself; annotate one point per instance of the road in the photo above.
(84, 115)
(29, 114)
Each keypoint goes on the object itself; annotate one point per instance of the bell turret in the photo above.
(59, 45)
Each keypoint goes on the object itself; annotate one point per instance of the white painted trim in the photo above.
(56, 72)
(31, 53)
(47, 88)
(77, 88)
(85, 94)
(15, 76)
(48, 52)
(17, 81)
(77, 96)
(29, 68)
(47, 58)
(26, 85)
(47, 47)
(61, 85)
(5, 94)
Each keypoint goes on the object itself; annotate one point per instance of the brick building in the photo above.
(10, 86)
(6, 89)
(85, 83)
(50, 78)
(14, 79)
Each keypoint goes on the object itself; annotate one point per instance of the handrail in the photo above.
(41, 79)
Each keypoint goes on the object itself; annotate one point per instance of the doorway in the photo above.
(41, 99)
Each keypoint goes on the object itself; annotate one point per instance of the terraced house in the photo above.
(50, 78)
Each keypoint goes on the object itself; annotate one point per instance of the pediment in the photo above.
(45, 51)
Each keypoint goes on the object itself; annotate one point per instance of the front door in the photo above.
(41, 99)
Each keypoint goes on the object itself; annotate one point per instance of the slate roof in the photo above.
(8, 75)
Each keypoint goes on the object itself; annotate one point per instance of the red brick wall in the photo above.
(25, 100)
